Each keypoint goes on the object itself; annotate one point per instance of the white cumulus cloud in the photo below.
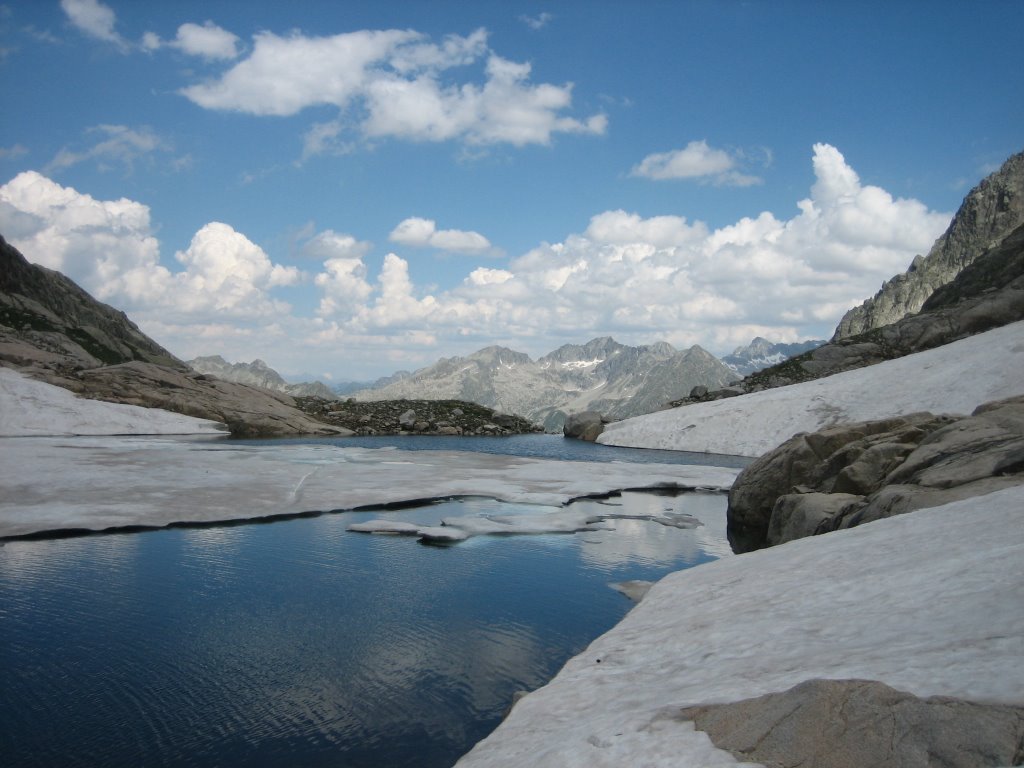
(407, 87)
(101, 244)
(697, 160)
(635, 277)
(107, 247)
(95, 20)
(643, 278)
(208, 41)
(421, 233)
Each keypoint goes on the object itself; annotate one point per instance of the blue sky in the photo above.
(345, 189)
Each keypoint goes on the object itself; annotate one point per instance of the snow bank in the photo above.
(955, 378)
(928, 603)
(29, 407)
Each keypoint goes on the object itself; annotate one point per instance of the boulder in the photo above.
(796, 515)
(874, 470)
(584, 426)
(407, 420)
(856, 723)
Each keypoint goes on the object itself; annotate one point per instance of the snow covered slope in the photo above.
(928, 603)
(954, 378)
(29, 407)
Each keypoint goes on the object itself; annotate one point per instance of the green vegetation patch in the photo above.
(20, 320)
(100, 351)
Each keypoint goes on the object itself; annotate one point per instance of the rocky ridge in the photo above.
(761, 353)
(601, 375)
(54, 331)
(990, 211)
(988, 293)
(415, 417)
(258, 374)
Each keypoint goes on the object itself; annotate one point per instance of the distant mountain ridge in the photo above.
(258, 374)
(761, 353)
(988, 214)
(603, 375)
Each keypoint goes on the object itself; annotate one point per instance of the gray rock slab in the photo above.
(858, 723)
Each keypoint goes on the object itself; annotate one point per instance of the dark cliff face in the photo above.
(44, 310)
(988, 214)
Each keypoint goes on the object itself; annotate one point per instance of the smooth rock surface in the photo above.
(927, 603)
(584, 426)
(858, 723)
(869, 470)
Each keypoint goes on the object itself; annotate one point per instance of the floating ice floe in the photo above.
(562, 520)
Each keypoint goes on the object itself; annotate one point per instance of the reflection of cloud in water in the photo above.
(639, 541)
(650, 542)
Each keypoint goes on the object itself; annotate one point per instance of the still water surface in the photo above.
(300, 643)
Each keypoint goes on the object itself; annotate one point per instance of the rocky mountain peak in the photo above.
(602, 374)
(761, 353)
(47, 319)
(594, 351)
(496, 356)
(988, 214)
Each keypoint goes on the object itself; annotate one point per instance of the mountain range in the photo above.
(258, 374)
(616, 379)
(761, 353)
(602, 375)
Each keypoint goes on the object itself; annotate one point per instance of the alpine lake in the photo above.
(300, 643)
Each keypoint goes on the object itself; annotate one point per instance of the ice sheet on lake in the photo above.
(575, 518)
(95, 483)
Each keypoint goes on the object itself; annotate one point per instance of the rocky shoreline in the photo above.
(452, 418)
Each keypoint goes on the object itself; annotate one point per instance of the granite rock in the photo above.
(852, 474)
(857, 723)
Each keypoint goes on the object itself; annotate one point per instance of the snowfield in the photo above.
(29, 407)
(955, 378)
